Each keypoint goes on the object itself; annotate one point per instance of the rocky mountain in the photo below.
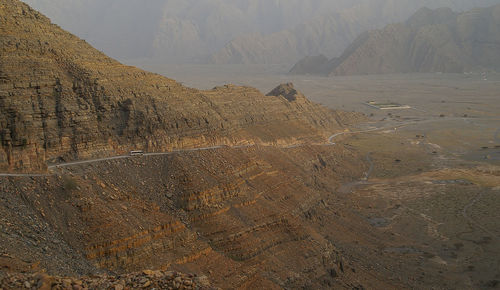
(430, 41)
(63, 100)
(217, 211)
(286, 46)
(233, 213)
(328, 34)
(240, 189)
(316, 65)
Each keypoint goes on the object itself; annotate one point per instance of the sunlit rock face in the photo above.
(63, 100)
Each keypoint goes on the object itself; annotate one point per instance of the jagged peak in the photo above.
(286, 91)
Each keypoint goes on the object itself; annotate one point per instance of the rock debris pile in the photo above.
(146, 279)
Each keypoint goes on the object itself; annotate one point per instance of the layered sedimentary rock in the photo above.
(248, 218)
(234, 213)
(266, 216)
(62, 100)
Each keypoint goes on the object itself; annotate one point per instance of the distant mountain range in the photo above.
(328, 34)
(230, 31)
(176, 31)
(430, 41)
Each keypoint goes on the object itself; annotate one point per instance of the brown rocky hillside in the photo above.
(246, 217)
(62, 100)
(280, 214)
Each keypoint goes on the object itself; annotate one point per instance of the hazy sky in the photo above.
(180, 31)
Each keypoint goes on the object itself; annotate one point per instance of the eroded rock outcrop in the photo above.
(246, 218)
(288, 92)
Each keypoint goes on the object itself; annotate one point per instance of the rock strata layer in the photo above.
(260, 217)
(248, 217)
(62, 100)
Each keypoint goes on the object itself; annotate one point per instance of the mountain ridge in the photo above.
(328, 34)
(218, 211)
(83, 104)
(430, 41)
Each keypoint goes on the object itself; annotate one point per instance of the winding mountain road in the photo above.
(129, 156)
(22, 175)
(329, 143)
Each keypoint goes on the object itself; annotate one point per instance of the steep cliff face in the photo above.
(61, 100)
(430, 41)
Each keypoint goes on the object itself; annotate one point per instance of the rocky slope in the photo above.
(62, 100)
(245, 218)
(235, 214)
(430, 41)
(146, 279)
(260, 216)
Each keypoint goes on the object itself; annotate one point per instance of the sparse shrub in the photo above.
(69, 184)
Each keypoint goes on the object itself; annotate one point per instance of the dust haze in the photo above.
(230, 31)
